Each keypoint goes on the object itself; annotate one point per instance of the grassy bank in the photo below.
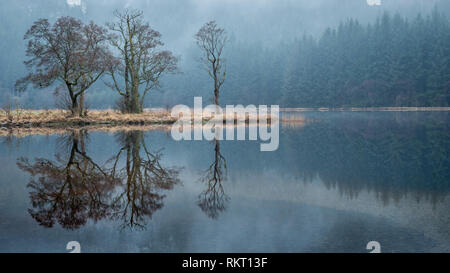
(63, 119)
(21, 118)
(22, 123)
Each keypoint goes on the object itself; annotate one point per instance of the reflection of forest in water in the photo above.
(392, 156)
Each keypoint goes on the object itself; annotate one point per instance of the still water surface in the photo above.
(334, 184)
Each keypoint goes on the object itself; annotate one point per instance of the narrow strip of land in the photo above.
(368, 109)
(63, 118)
(21, 118)
(97, 118)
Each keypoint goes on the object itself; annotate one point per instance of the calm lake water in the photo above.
(334, 184)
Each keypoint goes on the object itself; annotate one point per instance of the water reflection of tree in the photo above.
(74, 188)
(213, 199)
(69, 190)
(143, 180)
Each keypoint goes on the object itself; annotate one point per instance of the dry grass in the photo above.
(293, 118)
(63, 119)
(21, 123)
(227, 118)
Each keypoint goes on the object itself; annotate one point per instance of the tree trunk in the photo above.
(216, 96)
(75, 109)
(77, 106)
(216, 89)
(135, 106)
(81, 105)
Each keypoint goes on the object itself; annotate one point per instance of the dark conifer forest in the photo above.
(391, 62)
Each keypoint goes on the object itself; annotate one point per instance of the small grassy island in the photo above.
(23, 122)
(63, 118)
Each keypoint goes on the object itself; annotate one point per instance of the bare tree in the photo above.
(211, 39)
(69, 52)
(142, 65)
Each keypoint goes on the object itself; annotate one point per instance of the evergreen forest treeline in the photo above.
(393, 62)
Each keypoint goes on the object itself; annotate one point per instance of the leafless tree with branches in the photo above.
(211, 39)
(142, 64)
(69, 52)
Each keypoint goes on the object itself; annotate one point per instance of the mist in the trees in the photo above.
(281, 52)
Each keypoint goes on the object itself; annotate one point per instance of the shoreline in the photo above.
(61, 119)
(367, 109)
(58, 119)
